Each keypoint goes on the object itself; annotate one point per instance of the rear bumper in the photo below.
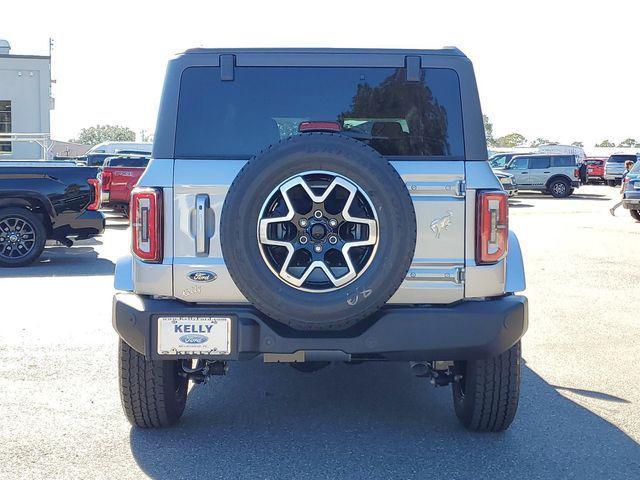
(632, 203)
(86, 224)
(467, 330)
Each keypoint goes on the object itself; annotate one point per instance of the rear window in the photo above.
(236, 119)
(621, 158)
(564, 161)
(127, 162)
(96, 159)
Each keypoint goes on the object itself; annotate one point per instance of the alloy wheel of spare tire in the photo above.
(318, 231)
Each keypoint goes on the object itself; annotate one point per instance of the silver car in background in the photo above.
(614, 167)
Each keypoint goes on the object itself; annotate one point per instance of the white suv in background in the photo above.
(554, 174)
(614, 167)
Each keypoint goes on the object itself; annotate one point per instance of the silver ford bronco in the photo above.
(310, 206)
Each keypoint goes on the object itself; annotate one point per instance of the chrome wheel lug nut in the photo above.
(317, 214)
(303, 240)
(317, 248)
(303, 222)
(333, 239)
(333, 222)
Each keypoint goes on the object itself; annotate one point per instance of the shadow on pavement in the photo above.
(575, 196)
(117, 223)
(518, 204)
(592, 394)
(373, 421)
(65, 262)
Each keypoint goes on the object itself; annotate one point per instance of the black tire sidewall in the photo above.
(566, 185)
(396, 222)
(40, 233)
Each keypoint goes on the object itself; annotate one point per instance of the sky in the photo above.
(561, 70)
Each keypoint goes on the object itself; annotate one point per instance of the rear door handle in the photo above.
(546, 172)
(202, 207)
(522, 173)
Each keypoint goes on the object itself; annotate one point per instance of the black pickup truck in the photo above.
(41, 202)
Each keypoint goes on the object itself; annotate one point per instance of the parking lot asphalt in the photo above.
(579, 414)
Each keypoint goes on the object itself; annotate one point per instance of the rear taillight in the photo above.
(146, 224)
(97, 194)
(492, 227)
(106, 181)
(576, 173)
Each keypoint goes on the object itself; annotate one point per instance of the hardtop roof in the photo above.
(450, 51)
(544, 155)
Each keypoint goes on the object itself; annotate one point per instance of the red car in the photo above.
(119, 176)
(595, 168)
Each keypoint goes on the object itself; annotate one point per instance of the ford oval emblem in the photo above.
(193, 338)
(202, 276)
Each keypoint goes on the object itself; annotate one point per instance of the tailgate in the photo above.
(436, 273)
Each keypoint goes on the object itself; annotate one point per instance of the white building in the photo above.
(25, 101)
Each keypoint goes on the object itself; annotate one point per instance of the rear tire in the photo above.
(635, 214)
(152, 392)
(486, 397)
(560, 188)
(29, 224)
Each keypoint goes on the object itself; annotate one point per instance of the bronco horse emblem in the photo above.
(442, 223)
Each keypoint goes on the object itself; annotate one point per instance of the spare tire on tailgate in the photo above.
(318, 231)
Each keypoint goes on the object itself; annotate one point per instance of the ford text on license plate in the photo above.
(194, 335)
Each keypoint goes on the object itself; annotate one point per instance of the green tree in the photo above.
(629, 142)
(605, 143)
(488, 131)
(105, 133)
(511, 140)
(540, 141)
(145, 136)
(577, 144)
(395, 97)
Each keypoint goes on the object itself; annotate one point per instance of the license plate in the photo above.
(194, 335)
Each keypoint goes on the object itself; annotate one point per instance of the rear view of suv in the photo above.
(614, 167)
(316, 206)
(555, 174)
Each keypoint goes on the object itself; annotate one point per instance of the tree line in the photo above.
(109, 133)
(518, 140)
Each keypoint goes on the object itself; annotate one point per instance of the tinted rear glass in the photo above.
(564, 161)
(96, 159)
(621, 158)
(264, 104)
(127, 162)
